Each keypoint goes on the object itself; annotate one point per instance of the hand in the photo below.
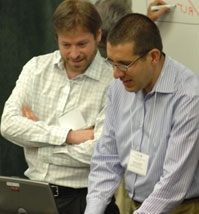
(154, 15)
(80, 136)
(27, 112)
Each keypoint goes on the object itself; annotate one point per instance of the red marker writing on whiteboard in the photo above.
(158, 7)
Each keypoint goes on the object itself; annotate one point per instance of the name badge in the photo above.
(138, 162)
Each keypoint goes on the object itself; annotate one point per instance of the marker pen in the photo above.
(157, 7)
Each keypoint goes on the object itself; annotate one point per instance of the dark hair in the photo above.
(72, 13)
(137, 29)
(110, 11)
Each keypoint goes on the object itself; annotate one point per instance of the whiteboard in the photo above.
(179, 30)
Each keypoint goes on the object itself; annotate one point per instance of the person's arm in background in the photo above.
(154, 15)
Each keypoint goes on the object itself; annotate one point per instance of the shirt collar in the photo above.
(95, 68)
(165, 82)
(93, 71)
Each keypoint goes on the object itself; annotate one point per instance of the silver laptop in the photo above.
(23, 196)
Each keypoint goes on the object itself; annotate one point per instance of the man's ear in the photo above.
(99, 35)
(155, 55)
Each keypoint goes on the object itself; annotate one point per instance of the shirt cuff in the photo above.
(95, 206)
(58, 135)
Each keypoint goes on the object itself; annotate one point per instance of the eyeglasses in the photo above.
(122, 67)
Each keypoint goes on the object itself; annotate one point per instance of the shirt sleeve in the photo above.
(106, 171)
(95, 206)
(19, 129)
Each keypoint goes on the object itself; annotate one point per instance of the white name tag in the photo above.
(138, 162)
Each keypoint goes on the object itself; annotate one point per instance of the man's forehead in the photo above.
(120, 50)
(77, 28)
(75, 34)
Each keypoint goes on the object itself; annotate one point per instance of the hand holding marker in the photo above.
(158, 7)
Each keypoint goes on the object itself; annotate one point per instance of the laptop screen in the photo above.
(23, 196)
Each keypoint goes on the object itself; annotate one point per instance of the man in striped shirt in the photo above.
(151, 128)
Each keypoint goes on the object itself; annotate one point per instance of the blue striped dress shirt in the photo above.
(164, 125)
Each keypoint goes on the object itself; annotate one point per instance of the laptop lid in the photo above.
(23, 196)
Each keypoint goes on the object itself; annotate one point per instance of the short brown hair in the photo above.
(137, 29)
(72, 13)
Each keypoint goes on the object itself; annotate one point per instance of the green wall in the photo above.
(25, 31)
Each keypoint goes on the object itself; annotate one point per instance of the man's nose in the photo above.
(74, 52)
(117, 73)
